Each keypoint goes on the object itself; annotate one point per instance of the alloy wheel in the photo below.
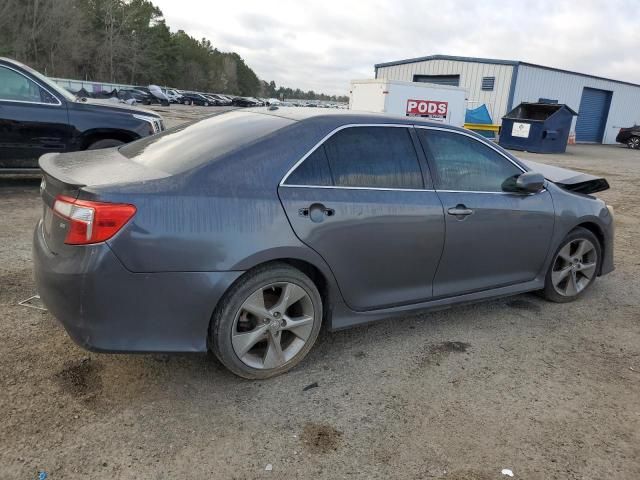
(574, 267)
(634, 142)
(273, 325)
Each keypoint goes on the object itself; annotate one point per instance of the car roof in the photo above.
(342, 117)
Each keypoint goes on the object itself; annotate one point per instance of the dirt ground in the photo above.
(549, 391)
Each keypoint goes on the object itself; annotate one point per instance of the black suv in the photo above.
(37, 117)
(629, 136)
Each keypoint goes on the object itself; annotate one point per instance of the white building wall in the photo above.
(471, 74)
(533, 83)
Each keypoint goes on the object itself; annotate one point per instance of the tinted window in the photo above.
(313, 171)
(188, 146)
(463, 163)
(382, 157)
(14, 86)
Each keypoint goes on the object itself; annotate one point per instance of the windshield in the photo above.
(50, 83)
(188, 146)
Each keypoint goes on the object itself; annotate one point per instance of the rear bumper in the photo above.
(105, 307)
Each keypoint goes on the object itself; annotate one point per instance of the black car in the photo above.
(245, 102)
(37, 117)
(630, 137)
(139, 96)
(220, 100)
(154, 98)
(192, 98)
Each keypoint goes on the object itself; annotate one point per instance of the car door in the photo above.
(360, 200)
(493, 238)
(32, 121)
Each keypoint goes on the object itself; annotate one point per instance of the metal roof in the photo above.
(495, 61)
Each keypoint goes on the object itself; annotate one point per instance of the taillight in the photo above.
(92, 222)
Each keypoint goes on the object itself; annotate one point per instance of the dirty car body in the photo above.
(237, 191)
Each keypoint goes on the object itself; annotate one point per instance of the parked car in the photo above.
(192, 98)
(228, 99)
(172, 95)
(221, 100)
(156, 94)
(37, 116)
(172, 246)
(630, 136)
(213, 100)
(245, 102)
(139, 96)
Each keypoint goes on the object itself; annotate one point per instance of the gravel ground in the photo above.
(549, 391)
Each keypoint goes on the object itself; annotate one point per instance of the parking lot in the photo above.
(549, 391)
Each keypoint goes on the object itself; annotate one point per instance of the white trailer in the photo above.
(438, 103)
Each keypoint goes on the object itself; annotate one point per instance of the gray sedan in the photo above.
(243, 233)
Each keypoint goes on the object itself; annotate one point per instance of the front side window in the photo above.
(17, 87)
(465, 164)
(365, 157)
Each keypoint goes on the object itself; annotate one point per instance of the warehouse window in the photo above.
(450, 80)
(487, 83)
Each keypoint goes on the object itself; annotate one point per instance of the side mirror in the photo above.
(530, 182)
(527, 182)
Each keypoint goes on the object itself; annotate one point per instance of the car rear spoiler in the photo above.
(569, 179)
(95, 168)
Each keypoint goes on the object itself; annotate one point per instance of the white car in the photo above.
(173, 95)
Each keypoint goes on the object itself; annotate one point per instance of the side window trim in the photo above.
(447, 130)
(426, 177)
(33, 81)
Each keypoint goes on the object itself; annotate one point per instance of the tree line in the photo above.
(124, 41)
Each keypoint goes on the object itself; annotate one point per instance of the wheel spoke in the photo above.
(572, 285)
(274, 356)
(584, 247)
(291, 293)
(300, 326)
(587, 269)
(255, 305)
(243, 342)
(565, 253)
(558, 276)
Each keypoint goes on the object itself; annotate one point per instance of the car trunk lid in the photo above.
(69, 175)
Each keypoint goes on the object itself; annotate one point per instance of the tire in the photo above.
(634, 142)
(573, 272)
(105, 143)
(234, 328)
(186, 102)
(206, 104)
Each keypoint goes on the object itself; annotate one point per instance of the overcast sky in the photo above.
(322, 45)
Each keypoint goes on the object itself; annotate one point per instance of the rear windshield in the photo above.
(188, 146)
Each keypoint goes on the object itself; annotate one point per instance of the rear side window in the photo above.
(313, 171)
(465, 164)
(365, 157)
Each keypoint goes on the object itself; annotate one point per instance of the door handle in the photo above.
(316, 212)
(460, 211)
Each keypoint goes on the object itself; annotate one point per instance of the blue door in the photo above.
(592, 116)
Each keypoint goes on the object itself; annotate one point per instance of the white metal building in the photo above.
(603, 105)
